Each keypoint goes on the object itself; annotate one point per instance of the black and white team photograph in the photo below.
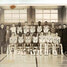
(33, 35)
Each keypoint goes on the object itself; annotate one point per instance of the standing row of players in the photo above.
(32, 29)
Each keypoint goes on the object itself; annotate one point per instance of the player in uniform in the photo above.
(32, 28)
(41, 41)
(26, 28)
(28, 42)
(19, 28)
(35, 42)
(49, 43)
(46, 28)
(46, 45)
(54, 51)
(21, 42)
(39, 28)
(13, 29)
(13, 43)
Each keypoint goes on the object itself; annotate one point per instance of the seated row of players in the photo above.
(24, 29)
(47, 43)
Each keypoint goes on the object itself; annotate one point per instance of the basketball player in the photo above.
(26, 28)
(13, 29)
(41, 41)
(35, 41)
(54, 47)
(19, 28)
(52, 28)
(13, 43)
(46, 39)
(32, 28)
(49, 43)
(21, 42)
(39, 28)
(28, 42)
(57, 43)
(46, 28)
(54, 51)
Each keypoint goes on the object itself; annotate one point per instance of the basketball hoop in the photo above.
(12, 6)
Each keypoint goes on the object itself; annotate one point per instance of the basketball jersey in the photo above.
(13, 39)
(32, 29)
(47, 38)
(57, 40)
(13, 29)
(35, 39)
(28, 39)
(41, 38)
(26, 29)
(54, 40)
(19, 29)
(46, 29)
(39, 29)
(20, 39)
(50, 38)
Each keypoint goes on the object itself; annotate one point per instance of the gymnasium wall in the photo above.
(62, 15)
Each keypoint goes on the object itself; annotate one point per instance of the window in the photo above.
(46, 15)
(15, 16)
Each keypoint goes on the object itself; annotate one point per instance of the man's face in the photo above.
(13, 25)
(64, 26)
(2, 26)
(56, 34)
(59, 27)
(7, 27)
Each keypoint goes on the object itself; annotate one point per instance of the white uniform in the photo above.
(57, 40)
(32, 29)
(13, 39)
(41, 41)
(39, 29)
(26, 29)
(54, 40)
(51, 39)
(13, 30)
(35, 39)
(28, 39)
(46, 29)
(47, 38)
(20, 39)
(19, 29)
(41, 38)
